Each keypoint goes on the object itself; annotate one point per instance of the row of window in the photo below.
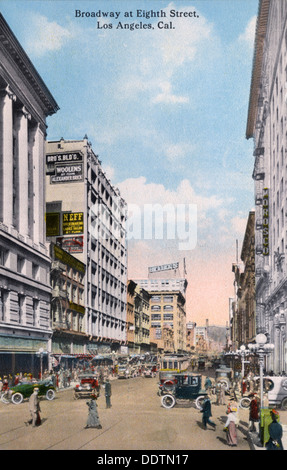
(166, 298)
(165, 307)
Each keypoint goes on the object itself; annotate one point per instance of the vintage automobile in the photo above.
(87, 384)
(150, 370)
(223, 375)
(124, 372)
(276, 389)
(23, 390)
(184, 386)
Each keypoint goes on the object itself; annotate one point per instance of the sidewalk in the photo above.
(255, 443)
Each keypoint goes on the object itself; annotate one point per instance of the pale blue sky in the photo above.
(165, 110)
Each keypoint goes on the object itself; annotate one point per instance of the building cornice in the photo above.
(261, 28)
(14, 51)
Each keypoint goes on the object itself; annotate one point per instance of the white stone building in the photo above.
(267, 125)
(25, 103)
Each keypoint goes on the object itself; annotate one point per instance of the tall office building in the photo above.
(85, 215)
(167, 291)
(25, 103)
(267, 116)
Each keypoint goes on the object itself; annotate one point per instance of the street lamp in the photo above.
(243, 353)
(261, 348)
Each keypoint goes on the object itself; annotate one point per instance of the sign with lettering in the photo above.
(265, 222)
(163, 267)
(65, 167)
(72, 222)
(71, 244)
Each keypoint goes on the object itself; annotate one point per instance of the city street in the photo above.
(136, 421)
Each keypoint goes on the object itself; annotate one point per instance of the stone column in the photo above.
(23, 116)
(38, 156)
(6, 136)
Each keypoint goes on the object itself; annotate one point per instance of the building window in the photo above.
(35, 271)
(155, 307)
(168, 316)
(168, 298)
(36, 304)
(20, 264)
(156, 316)
(3, 256)
(3, 300)
(168, 307)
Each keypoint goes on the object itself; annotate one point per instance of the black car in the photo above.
(186, 386)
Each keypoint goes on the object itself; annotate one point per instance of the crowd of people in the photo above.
(231, 423)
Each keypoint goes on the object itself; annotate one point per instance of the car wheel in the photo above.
(245, 403)
(50, 394)
(5, 398)
(284, 404)
(199, 402)
(168, 401)
(17, 398)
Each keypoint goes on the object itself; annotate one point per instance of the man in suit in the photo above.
(108, 393)
(34, 407)
(206, 413)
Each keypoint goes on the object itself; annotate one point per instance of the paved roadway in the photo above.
(136, 421)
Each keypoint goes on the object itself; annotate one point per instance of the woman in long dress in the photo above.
(93, 416)
(230, 427)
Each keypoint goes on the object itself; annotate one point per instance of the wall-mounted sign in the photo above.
(265, 222)
(52, 224)
(72, 222)
(164, 267)
(71, 244)
(66, 258)
(65, 167)
(64, 157)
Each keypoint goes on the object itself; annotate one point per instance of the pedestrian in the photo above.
(222, 395)
(253, 413)
(108, 393)
(206, 413)
(93, 416)
(275, 433)
(230, 427)
(208, 384)
(217, 391)
(34, 407)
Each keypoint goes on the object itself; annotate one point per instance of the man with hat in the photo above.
(34, 407)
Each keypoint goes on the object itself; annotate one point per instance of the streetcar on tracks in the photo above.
(171, 365)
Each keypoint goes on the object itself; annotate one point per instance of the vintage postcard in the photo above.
(142, 226)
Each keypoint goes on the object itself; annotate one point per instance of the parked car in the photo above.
(150, 370)
(24, 390)
(276, 389)
(87, 384)
(185, 386)
(124, 372)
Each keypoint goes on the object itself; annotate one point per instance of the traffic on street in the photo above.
(136, 420)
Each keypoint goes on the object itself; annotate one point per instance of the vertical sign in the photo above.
(265, 222)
